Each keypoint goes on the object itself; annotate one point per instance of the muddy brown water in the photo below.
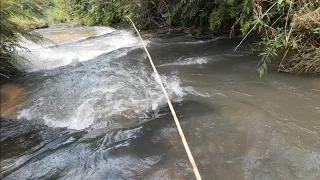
(105, 117)
(12, 95)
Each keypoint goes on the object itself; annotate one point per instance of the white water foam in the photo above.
(125, 101)
(177, 41)
(44, 58)
(187, 61)
(112, 89)
(83, 31)
(192, 91)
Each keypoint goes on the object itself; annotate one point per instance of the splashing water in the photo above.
(112, 87)
(77, 50)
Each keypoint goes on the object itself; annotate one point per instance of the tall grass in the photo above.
(290, 36)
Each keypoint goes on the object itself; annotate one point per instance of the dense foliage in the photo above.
(91, 12)
(289, 30)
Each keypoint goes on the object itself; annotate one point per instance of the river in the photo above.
(91, 109)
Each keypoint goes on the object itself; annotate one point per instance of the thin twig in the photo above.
(254, 26)
(281, 65)
(184, 141)
(285, 27)
(232, 28)
(169, 15)
(4, 75)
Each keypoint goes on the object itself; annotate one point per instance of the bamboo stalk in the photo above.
(183, 139)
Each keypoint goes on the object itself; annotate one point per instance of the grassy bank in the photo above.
(30, 24)
(287, 32)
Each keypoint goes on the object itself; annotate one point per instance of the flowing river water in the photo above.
(91, 109)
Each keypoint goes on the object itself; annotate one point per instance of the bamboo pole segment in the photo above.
(184, 141)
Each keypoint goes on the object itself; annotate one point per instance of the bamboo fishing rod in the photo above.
(183, 139)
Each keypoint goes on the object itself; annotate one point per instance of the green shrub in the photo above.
(290, 35)
(93, 12)
(289, 29)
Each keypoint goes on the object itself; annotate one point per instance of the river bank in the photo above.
(283, 36)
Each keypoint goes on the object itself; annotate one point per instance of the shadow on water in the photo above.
(152, 149)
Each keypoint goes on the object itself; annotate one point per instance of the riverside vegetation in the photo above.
(288, 31)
